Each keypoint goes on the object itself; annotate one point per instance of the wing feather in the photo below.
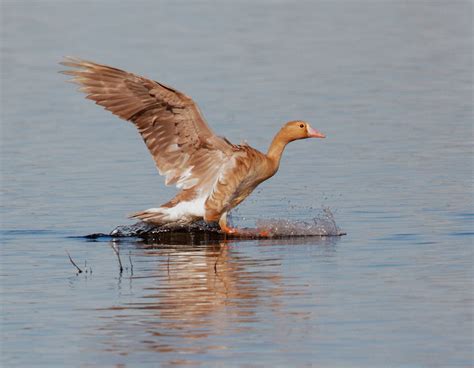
(183, 146)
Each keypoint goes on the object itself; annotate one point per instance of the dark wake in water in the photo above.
(323, 225)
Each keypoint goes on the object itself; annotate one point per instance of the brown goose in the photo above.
(213, 175)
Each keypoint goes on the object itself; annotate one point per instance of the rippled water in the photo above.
(390, 83)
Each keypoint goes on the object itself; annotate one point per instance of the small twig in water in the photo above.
(73, 263)
(222, 245)
(131, 264)
(116, 251)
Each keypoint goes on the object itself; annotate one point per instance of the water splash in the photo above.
(324, 224)
(143, 229)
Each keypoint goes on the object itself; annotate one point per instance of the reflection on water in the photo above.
(186, 296)
(389, 82)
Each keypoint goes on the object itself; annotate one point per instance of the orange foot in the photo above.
(229, 230)
(264, 233)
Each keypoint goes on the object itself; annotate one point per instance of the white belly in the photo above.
(183, 211)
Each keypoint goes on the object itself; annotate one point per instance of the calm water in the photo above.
(390, 83)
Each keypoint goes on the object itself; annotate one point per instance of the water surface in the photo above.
(389, 83)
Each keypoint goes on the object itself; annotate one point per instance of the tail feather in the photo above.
(155, 217)
(181, 213)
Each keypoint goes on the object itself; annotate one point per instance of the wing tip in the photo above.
(71, 61)
(79, 63)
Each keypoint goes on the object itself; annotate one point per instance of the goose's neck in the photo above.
(276, 148)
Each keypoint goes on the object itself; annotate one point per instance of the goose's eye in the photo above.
(301, 125)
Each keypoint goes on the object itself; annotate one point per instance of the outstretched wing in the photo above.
(183, 146)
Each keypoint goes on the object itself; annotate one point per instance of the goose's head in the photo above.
(299, 129)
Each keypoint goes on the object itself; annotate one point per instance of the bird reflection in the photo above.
(200, 281)
(186, 295)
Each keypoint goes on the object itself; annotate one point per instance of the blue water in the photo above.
(389, 83)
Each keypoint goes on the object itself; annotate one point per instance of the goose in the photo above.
(212, 174)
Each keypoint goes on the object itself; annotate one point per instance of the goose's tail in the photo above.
(155, 216)
(183, 213)
(178, 211)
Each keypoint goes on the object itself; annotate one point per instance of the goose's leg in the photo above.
(262, 233)
(224, 227)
